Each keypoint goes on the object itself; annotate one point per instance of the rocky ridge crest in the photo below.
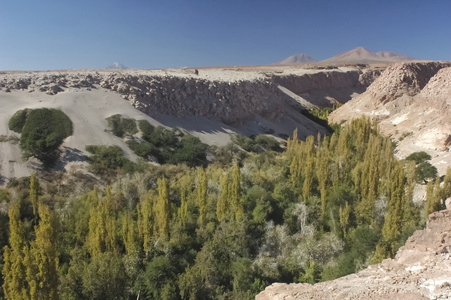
(228, 101)
(411, 102)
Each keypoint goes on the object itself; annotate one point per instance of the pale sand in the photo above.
(88, 110)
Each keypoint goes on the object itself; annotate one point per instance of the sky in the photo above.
(147, 34)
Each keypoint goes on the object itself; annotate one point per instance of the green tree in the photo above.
(146, 227)
(235, 193)
(309, 167)
(15, 285)
(222, 204)
(393, 221)
(163, 209)
(202, 197)
(34, 192)
(44, 257)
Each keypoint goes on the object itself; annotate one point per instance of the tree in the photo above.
(15, 285)
(146, 227)
(163, 209)
(235, 194)
(309, 167)
(42, 258)
(222, 204)
(432, 197)
(129, 234)
(322, 173)
(102, 235)
(34, 192)
(393, 221)
(202, 197)
(344, 217)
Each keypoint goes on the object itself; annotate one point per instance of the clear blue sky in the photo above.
(62, 34)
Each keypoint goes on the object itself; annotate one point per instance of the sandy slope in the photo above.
(88, 110)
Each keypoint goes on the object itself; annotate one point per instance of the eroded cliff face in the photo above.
(420, 270)
(411, 102)
(228, 96)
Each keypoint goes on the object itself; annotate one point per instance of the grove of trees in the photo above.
(323, 208)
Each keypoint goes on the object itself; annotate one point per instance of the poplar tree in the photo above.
(102, 234)
(446, 191)
(129, 234)
(34, 193)
(222, 205)
(202, 197)
(345, 213)
(322, 174)
(309, 167)
(183, 209)
(393, 221)
(430, 201)
(146, 228)
(44, 256)
(14, 271)
(163, 209)
(235, 193)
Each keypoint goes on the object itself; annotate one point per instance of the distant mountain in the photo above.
(361, 55)
(117, 65)
(296, 59)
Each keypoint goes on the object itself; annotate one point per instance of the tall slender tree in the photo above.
(202, 197)
(235, 194)
(222, 206)
(163, 209)
(15, 285)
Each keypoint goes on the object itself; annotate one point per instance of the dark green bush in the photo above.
(43, 132)
(419, 157)
(107, 160)
(267, 142)
(121, 126)
(425, 171)
(192, 152)
(144, 149)
(257, 144)
(146, 129)
(17, 121)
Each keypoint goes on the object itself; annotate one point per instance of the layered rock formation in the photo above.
(412, 103)
(420, 270)
(233, 99)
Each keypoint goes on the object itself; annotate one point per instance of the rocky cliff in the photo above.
(232, 97)
(412, 103)
(420, 270)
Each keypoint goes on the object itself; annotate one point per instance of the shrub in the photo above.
(17, 121)
(146, 129)
(267, 142)
(419, 157)
(192, 152)
(43, 131)
(120, 126)
(425, 171)
(144, 149)
(107, 160)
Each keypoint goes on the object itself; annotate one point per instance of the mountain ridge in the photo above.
(358, 55)
(296, 59)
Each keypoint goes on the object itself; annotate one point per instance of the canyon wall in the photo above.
(233, 99)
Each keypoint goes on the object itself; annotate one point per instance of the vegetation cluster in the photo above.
(164, 145)
(323, 208)
(42, 132)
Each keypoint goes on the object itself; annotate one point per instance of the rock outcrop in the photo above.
(232, 100)
(420, 270)
(412, 103)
